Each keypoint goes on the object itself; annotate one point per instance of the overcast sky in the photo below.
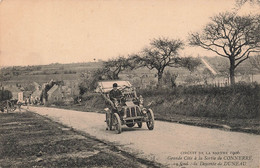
(34, 32)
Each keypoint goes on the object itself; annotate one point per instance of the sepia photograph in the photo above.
(130, 83)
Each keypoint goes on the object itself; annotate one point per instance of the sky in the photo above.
(36, 32)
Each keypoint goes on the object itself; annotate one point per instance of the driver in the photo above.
(115, 93)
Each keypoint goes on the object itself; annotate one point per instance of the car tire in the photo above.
(117, 123)
(108, 121)
(140, 125)
(130, 125)
(150, 122)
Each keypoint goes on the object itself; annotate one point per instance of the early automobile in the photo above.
(127, 110)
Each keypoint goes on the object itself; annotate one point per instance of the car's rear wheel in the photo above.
(117, 123)
(130, 125)
(108, 121)
(150, 122)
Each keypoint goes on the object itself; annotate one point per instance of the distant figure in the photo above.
(27, 101)
(8, 106)
(19, 104)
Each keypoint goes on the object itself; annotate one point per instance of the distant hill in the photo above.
(44, 73)
(221, 64)
(25, 75)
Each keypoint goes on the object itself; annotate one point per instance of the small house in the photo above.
(55, 93)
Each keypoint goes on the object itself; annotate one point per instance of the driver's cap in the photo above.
(115, 85)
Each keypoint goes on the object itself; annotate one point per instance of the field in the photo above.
(29, 140)
(71, 72)
(44, 73)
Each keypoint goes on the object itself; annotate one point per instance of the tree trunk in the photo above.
(115, 77)
(160, 74)
(232, 70)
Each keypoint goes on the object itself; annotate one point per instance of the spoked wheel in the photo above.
(150, 122)
(117, 123)
(13, 108)
(140, 124)
(108, 121)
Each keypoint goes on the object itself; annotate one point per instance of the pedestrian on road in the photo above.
(27, 102)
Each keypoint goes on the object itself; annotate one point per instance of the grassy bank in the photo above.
(233, 108)
(238, 102)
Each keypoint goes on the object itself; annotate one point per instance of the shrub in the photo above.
(239, 101)
(5, 95)
(59, 103)
(94, 100)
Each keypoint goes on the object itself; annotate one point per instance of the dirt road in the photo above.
(30, 140)
(174, 145)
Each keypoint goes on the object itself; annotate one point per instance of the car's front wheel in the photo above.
(117, 123)
(150, 122)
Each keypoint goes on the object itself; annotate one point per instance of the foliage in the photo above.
(89, 81)
(206, 75)
(230, 36)
(5, 95)
(113, 67)
(170, 79)
(241, 88)
(94, 100)
(59, 103)
(190, 63)
(237, 101)
(240, 3)
(192, 79)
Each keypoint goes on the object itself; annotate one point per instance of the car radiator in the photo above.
(133, 111)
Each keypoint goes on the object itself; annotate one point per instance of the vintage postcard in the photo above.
(148, 83)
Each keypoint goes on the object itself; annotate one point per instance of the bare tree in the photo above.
(190, 63)
(161, 53)
(113, 67)
(230, 36)
(240, 3)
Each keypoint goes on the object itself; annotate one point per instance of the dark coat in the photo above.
(115, 94)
